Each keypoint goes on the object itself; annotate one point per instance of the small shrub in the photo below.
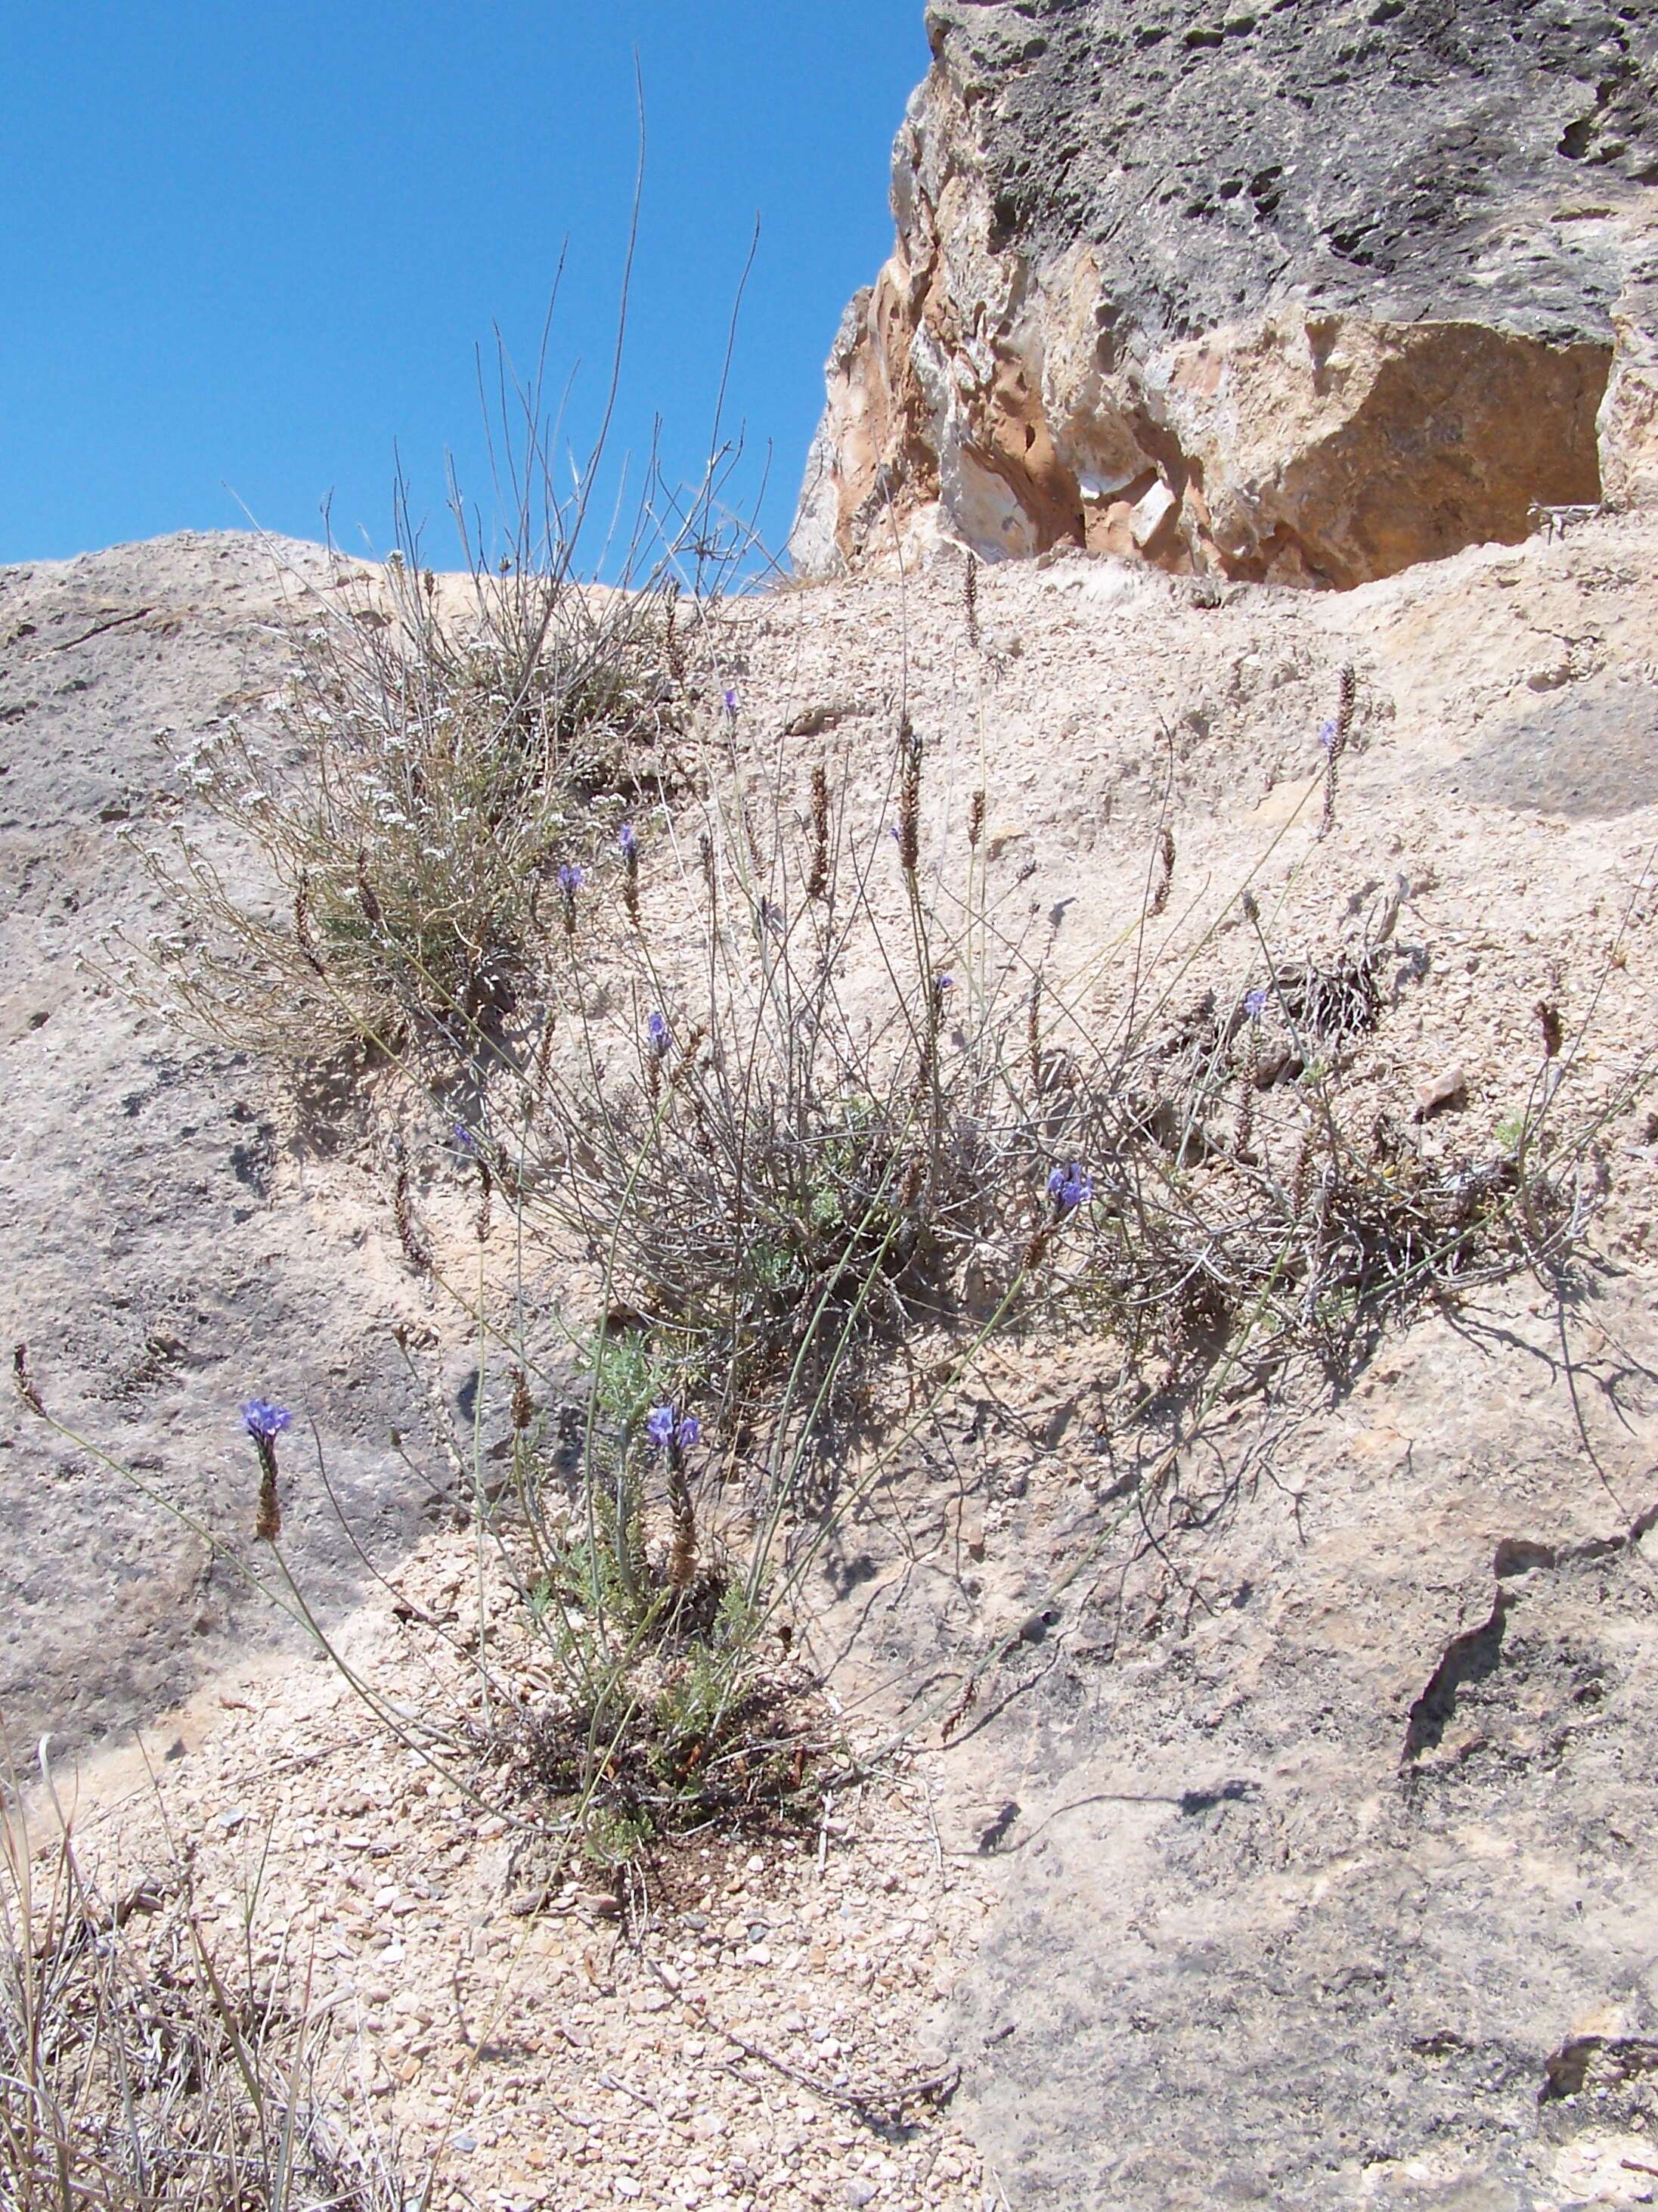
(427, 776)
(436, 763)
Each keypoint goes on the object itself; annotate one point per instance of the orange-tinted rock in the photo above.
(1304, 297)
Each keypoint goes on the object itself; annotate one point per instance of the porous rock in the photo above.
(1306, 292)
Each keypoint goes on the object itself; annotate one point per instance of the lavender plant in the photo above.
(804, 1111)
(444, 753)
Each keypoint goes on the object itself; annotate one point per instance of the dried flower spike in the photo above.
(1165, 872)
(302, 936)
(264, 1421)
(402, 1214)
(373, 913)
(1333, 737)
(817, 876)
(909, 797)
(25, 1382)
(627, 839)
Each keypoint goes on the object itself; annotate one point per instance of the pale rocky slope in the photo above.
(1303, 1851)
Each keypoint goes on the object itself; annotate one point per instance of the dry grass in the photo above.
(140, 2073)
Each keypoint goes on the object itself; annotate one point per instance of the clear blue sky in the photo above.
(247, 249)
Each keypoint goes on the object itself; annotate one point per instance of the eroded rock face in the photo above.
(1303, 293)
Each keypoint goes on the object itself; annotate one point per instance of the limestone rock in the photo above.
(1304, 293)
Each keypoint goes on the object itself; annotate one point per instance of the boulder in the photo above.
(1301, 294)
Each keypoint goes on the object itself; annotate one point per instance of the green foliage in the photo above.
(612, 1839)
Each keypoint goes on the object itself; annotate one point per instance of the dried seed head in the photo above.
(1333, 737)
(1298, 1179)
(909, 797)
(268, 1519)
(24, 1380)
(959, 1711)
(524, 1410)
(486, 1187)
(1346, 701)
(975, 819)
(373, 914)
(1549, 1017)
(682, 1558)
(403, 1213)
(1251, 1082)
(1165, 872)
(1038, 1243)
(302, 936)
(543, 1052)
(817, 876)
(685, 1066)
(970, 598)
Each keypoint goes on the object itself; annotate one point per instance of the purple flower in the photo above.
(465, 1138)
(628, 841)
(730, 698)
(660, 1035)
(1255, 1003)
(264, 1420)
(569, 880)
(942, 983)
(1326, 736)
(1070, 1187)
(671, 1433)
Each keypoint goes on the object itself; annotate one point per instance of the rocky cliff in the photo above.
(1302, 292)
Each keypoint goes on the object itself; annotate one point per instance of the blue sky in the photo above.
(248, 251)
